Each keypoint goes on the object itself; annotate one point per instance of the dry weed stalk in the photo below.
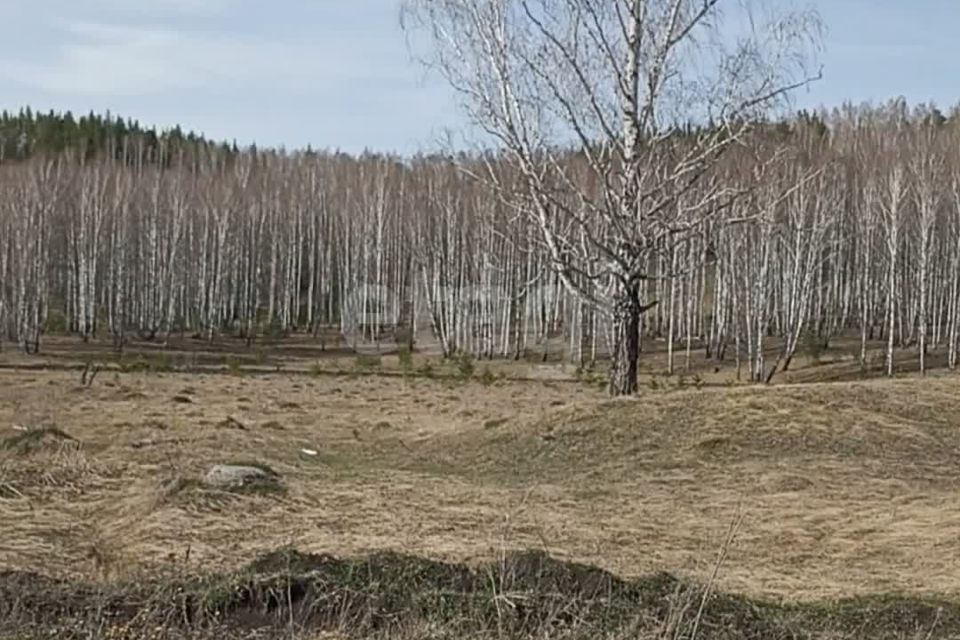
(677, 623)
(89, 373)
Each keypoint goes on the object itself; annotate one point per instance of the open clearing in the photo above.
(840, 489)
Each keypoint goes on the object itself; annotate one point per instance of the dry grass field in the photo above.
(835, 490)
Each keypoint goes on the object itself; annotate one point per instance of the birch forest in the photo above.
(851, 228)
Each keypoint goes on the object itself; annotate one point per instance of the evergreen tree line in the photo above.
(847, 223)
(27, 134)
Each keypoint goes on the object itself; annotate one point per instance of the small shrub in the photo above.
(465, 364)
(220, 595)
(487, 377)
(316, 369)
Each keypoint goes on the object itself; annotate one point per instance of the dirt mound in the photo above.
(525, 595)
(43, 461)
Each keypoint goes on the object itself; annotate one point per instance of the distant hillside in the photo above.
(27, 133)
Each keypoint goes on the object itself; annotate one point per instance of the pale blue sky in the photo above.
(337, 73)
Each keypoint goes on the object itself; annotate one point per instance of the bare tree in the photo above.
(928, 173)
(621, 81)
(847, 224)
(894, 193)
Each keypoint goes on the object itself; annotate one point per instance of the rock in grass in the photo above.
(233, 477)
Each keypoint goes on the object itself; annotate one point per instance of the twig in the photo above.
(9, 487)
(721, 558)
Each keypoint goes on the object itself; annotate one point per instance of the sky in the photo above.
(338, 74)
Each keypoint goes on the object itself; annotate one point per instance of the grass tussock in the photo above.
(147, 362)
(43, 462)
(32, 440)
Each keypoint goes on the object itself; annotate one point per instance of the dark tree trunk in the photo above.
(786, 363)
(626, 346)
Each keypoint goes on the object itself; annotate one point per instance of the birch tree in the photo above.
(892, 205)
(619, 81)
(928, 172)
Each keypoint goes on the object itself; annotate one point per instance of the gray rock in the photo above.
(228, 476)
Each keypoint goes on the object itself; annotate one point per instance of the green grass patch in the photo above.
(234, 365)
(367, 362)
(405, 358)
(148, 362)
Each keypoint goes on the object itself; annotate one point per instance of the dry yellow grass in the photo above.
(844, 489)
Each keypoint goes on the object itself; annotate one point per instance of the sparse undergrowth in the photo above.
(287, 594)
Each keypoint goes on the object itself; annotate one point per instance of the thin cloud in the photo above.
(110, 59)
(334, 74)
(166, 6)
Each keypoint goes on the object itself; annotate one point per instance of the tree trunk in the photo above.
(626, 341)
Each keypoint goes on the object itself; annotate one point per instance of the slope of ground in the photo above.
(839, 490)
(294, 596)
